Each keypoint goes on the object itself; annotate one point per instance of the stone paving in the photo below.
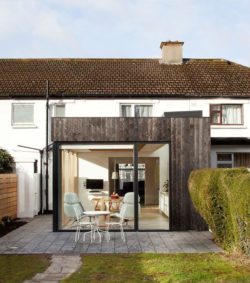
(61, 267)
(37, 237)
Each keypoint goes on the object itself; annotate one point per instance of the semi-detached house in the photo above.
(122, 125)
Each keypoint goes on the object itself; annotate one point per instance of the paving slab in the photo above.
(61, 267)
(37, 237)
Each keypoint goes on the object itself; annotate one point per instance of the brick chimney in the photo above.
(171, 52)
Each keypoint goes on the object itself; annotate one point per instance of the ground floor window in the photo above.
(115, 179)
(233, 159)
(225, 160)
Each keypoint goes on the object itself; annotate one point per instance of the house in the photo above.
(98, 126)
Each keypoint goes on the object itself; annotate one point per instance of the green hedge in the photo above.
(222, 197)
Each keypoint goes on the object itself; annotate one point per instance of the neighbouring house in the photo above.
(98, 126)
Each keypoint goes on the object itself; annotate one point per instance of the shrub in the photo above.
(222, 197)
(6, 160)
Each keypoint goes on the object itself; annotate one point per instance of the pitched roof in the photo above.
(123, 78)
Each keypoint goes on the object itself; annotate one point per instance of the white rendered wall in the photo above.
(35, 136)
(111, 108)
(26, 190)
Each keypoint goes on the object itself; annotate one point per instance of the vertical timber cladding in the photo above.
(190, 149)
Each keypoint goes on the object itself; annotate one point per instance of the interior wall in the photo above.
(69, 176)
(163, 154)
(95, 165)
(100, 165)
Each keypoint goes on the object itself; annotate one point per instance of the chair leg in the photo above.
(91, 233)
(77, 234)
(122, 234)
(107, 234)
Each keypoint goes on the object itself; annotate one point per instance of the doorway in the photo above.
(154, 210)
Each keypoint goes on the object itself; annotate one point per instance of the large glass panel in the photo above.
(153, 186)
(99, 177)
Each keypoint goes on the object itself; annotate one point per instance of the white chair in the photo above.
(126, 213)
(70, 199)
(81, 223)
(119, 223)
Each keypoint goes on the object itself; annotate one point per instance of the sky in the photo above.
(124, 28)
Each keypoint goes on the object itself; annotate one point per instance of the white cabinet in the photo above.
(164, 203)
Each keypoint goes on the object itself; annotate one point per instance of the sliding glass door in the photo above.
(100, 177)
(125, 180)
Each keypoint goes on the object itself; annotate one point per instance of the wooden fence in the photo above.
(8, 195)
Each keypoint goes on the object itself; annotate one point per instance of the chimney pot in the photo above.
(171, 52)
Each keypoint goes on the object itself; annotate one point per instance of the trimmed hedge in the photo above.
(222, 197)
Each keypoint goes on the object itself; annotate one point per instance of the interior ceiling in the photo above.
(150, 147)
(117, 148)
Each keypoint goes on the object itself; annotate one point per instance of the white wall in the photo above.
(26, 191)
(96, 165)
(163, 154)
(111, 108)
(11, 136)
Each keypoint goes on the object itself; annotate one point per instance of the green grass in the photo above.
(17, 268)
(160, 268)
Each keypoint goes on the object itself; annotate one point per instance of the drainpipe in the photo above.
(47, 148)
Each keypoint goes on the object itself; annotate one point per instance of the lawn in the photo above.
(161, 268)
(17, 268)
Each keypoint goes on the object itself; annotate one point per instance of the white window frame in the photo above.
(22, 124)
(133, 107)
(229, 162)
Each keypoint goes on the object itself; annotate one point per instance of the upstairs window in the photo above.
(22, 114)
(59, 110)
(136, 110)
(126, 110)
(226, 114)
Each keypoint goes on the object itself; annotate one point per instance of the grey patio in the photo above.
(37, 237)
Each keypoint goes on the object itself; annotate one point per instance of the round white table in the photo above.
(97, 214)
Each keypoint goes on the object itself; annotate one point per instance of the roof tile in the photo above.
(123, 78)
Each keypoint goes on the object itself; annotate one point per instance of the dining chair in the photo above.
(125, 210)
(126, 213)
(70, 199)
(81, 223)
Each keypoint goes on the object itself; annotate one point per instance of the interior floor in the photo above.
(151, 218)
